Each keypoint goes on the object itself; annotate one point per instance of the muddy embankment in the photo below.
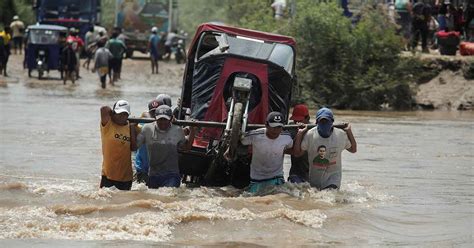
(450, 85)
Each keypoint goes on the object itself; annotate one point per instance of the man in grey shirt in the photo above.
(102, 58)
(162, 140)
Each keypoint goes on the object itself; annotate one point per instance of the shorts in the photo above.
(154, 57)
(168, 180)
(120, 64)
(257, 185)
(18, 42)
(295, 179)
(88, 53)
(105, 182)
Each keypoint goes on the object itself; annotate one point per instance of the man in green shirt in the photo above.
(117, 48)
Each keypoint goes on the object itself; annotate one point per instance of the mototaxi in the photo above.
(43, 49)
(233, 78)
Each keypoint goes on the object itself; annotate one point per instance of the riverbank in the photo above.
(443, 82)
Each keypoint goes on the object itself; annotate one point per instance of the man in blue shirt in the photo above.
(153, 47)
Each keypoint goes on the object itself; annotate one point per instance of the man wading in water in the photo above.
(162, 140)
(269, 146)
(325, 144)
(118, 140)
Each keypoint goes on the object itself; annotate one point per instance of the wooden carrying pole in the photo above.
(222, 124)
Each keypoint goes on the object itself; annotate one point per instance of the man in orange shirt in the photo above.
(118, 140)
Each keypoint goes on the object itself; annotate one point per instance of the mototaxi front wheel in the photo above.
(236, 128)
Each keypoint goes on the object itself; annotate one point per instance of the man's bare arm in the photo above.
(105, 115)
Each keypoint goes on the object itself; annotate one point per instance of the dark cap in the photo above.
(275, 119)
(153, 104)
(163, 111)
(164, 99)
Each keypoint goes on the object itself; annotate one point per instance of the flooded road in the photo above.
(410, 183)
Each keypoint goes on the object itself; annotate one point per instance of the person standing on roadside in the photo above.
(403, 8)
(17, 28)
(117, 48)
(162, 140)
(468, 20)
(153, 48)
(5, 39)
(118, 141)
(420, 15)
(299, 165)
(324, 145)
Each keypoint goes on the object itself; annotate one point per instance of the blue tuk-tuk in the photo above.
(43, 51)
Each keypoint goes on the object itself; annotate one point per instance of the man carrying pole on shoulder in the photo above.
(118, 141)
(325, 144)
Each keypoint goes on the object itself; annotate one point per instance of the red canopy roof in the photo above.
(246, 33)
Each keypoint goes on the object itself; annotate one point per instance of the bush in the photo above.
(347, 66)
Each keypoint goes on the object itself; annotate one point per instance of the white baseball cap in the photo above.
(121, 106)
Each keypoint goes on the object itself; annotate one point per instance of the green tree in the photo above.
(22, 8)
(193, 13)
(348, 66)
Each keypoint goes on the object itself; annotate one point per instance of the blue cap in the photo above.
(324, 113)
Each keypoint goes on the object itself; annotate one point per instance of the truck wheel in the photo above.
(236, 128)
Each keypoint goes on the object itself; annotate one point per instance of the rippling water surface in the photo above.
(410, 184)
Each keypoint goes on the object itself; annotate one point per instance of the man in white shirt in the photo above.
(269, 145)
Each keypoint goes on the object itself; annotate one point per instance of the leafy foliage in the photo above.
(349, 66)
(193, 13)
(22, 8)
